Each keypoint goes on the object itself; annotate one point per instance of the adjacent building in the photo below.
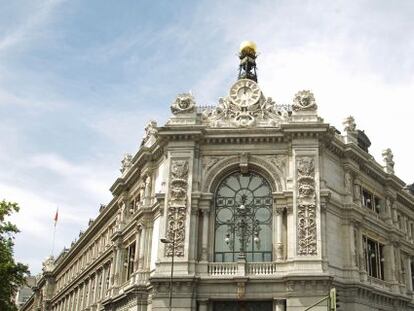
(245, 205)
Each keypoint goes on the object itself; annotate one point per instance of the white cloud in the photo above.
(26, 31)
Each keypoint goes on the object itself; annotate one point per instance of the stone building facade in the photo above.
(264, 208)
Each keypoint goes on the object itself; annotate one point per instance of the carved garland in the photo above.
(177, 207)
(306, 203)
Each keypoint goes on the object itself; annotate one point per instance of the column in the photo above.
(88, 291)
(204, 242)
(279, 232)
(137, 247)
(390, 266)
(103, 284)
(279, 305)
(203, 305)
(141, 249)
(147, 191)
(117, 264)
(193, 239)
(353, 251)
(148, 242)
(410, 273)
(291, 233)
(95, 293)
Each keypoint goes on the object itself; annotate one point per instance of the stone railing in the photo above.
(379, 283)
(222, 268)
(241, 268)
(261, 268)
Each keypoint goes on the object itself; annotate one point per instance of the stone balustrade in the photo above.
(232, 268)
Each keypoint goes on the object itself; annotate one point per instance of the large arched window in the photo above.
(243, 218)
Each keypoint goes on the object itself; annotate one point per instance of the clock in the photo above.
(245, 93)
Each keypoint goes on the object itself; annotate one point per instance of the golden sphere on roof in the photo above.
(248, 46)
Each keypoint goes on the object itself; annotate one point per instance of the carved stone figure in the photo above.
(306, 206)
(150, 131)
(349, 124)
(388, 157)
(348, 183)
(48, 264)
(184, 103)
(126, 162)
(304, 101)
(177, 206)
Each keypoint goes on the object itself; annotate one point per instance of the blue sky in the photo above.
(79, 80)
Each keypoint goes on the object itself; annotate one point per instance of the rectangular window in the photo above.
(412, 273)
(374, 258)
(371, 201)
(130, 260)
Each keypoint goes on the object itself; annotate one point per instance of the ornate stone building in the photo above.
(259, 207)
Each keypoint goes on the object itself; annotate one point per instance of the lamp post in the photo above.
(244, 226)
(167, 241)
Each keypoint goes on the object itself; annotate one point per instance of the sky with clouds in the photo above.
(80, 79)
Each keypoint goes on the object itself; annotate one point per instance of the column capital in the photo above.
(279, 210)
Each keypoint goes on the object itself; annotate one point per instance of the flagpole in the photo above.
(54, 231)
(53, 242)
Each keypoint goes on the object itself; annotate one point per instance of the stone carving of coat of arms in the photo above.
(304, 101)
(184, 103)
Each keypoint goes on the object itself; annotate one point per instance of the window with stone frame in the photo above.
(129, 261)
(374, 258)
(369, 200)
(253, 192)
(412, 273)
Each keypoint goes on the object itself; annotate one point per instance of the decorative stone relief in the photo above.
(150, 131)
(306, 206)
(184, 103)
(49, 264)
(304, 101)
(229, 114)
(177, 207)
(279, 161)
(126, 163)
(209, 162)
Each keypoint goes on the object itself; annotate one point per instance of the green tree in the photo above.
(12, 274)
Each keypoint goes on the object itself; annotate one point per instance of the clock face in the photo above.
(245, 93)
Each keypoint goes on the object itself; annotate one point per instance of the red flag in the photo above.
(56, 216)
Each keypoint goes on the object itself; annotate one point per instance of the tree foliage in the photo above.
(12, 274)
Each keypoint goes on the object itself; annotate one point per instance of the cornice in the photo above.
(87, 271)
(85, 238)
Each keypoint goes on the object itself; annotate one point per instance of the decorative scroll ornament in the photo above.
(229, 113)
(306, 199)
(177, 207)
(184, 103)
(304, 101)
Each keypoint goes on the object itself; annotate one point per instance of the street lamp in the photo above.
(244, 226)
(167, 241)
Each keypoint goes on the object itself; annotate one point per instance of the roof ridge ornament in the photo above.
(248, 55)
